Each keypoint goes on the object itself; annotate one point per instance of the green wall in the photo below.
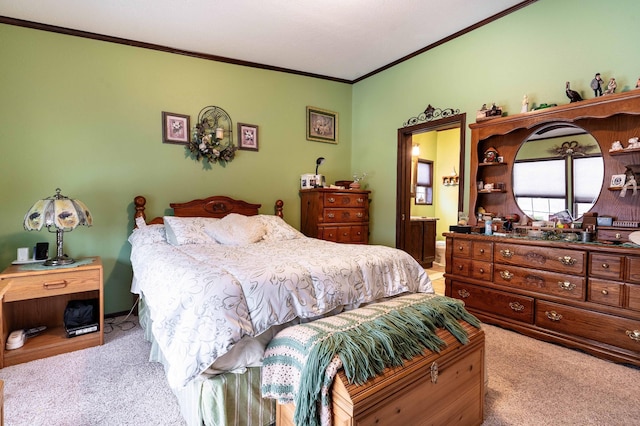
(85, 116)
(533, 51)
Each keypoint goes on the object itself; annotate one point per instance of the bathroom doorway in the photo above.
(407, 137)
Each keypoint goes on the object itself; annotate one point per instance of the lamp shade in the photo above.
(58, 214)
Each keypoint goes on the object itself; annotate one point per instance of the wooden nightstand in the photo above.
(35, 296)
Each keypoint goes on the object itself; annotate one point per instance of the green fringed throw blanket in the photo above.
(301, 362)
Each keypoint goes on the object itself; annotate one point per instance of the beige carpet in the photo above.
(530, 383)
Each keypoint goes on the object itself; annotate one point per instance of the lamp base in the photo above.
(59, 261)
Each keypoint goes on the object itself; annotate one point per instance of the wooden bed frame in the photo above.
(453, 380)
(217, 206)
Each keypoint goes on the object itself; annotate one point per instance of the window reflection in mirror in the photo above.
(558, 167)
(424, 182)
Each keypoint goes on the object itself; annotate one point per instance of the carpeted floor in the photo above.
(530, 383)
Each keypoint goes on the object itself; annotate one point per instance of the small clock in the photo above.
(490, 155)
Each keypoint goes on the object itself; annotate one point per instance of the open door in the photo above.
(404, 176)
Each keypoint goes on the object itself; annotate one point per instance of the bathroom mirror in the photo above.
(558, 167)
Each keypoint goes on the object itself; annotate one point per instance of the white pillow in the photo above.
(237, 230)
(188, 230)
(147, 234)
(277, 229)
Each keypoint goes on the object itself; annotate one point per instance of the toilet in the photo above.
(441, 247)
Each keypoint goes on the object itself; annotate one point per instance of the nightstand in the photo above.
(35, 295)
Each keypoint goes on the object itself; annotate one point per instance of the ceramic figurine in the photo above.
(611, 87)
(616, 146)
(572, 94)
(633, 143)
(596, 85)
(638, 84)
(525, 104)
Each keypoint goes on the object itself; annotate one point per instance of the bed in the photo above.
(217, 280)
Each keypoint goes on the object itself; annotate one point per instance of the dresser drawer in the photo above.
(481, 270)
(482, 251)
(606, 292)
(345, 199)
(499, 303)
(606, 266)
(461, 248)
(344, 215)
(616, 235)
(344, 234)
(633, 269)
(596, 326)
(51, 284)
(553, 283)
(461, 267)
(633, 300)
(550, 259)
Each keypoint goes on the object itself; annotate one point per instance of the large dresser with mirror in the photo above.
(584, 295)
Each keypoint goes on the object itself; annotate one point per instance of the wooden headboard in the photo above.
(217, 206)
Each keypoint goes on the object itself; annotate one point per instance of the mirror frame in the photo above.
(549, 127)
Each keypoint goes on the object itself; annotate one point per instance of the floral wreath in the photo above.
(206, 145)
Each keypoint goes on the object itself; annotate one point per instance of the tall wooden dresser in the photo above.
(341, 215)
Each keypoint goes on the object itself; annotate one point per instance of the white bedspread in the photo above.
(204, 298)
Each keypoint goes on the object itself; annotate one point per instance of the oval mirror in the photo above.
(558, 169)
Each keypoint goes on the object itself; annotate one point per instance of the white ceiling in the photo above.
(341, 39)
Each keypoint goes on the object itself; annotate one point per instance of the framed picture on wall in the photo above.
(175, 128)
(322, 125)
(247, 137)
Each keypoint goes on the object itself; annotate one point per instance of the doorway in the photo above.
(405, 192)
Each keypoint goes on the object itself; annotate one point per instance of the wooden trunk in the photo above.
(431, 389)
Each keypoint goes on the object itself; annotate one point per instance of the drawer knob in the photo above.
(553, 315)
(506, 253)
(360, 200)
(481, 251)
(463, 293)
(516, 306)
(460, 248)
(605, 266)
(54, 285)
(605, 292)
(566, 285)
(567, 260)
(506, 275)
(359, 214)
(331, 215)
(482, 270)
(618, 235)
(634, 335)
(332, 200)
(460, 267)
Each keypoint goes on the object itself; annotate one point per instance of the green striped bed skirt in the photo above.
(223, 400)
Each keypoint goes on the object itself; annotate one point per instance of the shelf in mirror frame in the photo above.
(608, 118)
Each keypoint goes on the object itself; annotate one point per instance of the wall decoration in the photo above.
(247, 137)
(431, 113)
(175, 128)
(322, 125)
(212, 137)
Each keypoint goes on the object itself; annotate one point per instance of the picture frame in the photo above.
(617, 181)
(175, 128)
(247, 137)
(322, 125)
